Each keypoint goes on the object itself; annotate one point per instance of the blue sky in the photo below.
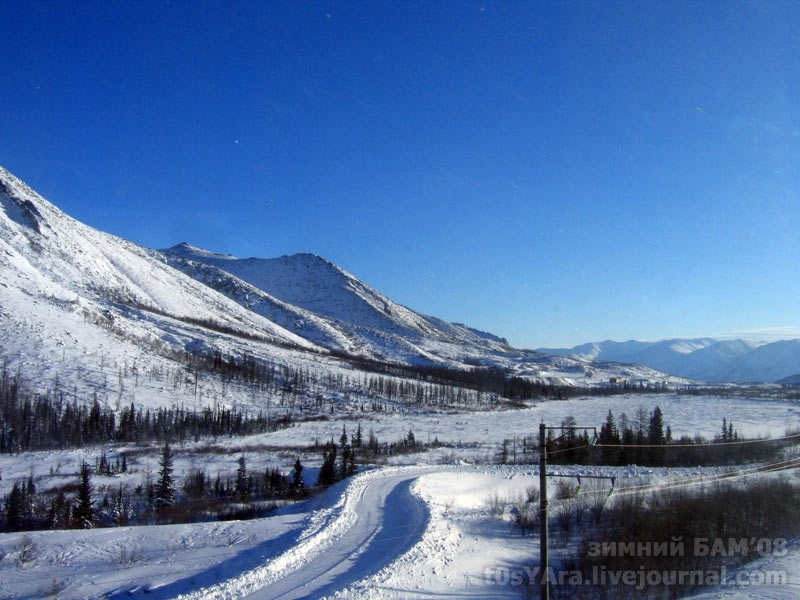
(553, 172)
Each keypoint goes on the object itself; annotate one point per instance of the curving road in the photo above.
(377, 519)
(389, 520)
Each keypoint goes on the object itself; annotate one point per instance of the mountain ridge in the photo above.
(320, 298)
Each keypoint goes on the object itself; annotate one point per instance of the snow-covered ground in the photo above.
(396, 532)
(435, 524)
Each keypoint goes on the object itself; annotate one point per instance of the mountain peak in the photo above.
(187, 250)
(308, 260)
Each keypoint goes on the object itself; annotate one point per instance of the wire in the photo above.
(572, 449)
(669, 446)
(701, 445)
(730, 475)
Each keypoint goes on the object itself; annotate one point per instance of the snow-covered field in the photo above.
(433, 524)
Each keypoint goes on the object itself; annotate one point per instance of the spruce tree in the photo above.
(165, 489)
(83, 515)
(242, 482)
(14, 508)
(656, 437)
(119, 513)
(297, 476)
(344, 462)
(59, 514)
(609, 439)
(327, 472)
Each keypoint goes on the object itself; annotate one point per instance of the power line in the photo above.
(730, 475)
(695, 445)
(699, 445)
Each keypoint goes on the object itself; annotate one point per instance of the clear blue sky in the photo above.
(553, 172)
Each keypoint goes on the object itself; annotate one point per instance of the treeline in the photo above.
(487, 380)
(645, 440)
(31, 421)
(425, 384)
(77, 505)
(342, 460)
(197, 496)
(40, 421)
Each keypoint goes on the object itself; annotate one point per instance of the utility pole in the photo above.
(544, 567)
(544, 581)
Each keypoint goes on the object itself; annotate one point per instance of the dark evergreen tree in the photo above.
(345, 461)
(372, 443)
(15, 508)
(327, 472)
(565, 446)
(627, 454)
(297, 476)
(275, 484)
(165, 488)
(656, 437)
(119, 509)
(83, 515)
(103, 467)
(609, 440)
(242, 481)
(59, 514)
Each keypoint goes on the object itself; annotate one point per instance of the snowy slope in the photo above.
(75, 301)
(72, 262)
(294, 318)
(665, 350)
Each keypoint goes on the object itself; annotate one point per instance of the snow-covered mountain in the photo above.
(704, 359)
(87, 309)
(81, 307)
(329, 306)
(54, 259)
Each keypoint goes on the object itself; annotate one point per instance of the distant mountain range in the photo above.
(704, 359)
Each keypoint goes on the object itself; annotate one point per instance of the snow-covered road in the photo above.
(376, 520)
(389, 520)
